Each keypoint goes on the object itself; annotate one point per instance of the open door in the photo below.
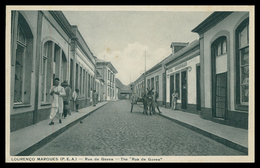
(184, 89)
(171, 88)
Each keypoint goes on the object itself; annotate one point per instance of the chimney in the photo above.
(176, 46)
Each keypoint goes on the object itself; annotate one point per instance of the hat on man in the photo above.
(65, 83)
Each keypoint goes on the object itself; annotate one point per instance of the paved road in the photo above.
(114, 131)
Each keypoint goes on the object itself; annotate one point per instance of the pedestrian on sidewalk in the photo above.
(91, 96)
(156, 96)
(66, 99)
(95, 98)
(104, 96)
(175, 96)
(70, 101)
(75, 100)
(133, 101)
(57, 92)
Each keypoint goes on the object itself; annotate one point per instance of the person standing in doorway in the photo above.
(175, 96)
(66, 99)
(57, 92)
(75, 99)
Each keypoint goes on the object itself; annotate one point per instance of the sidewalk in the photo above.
(25, 141)
(233, 137)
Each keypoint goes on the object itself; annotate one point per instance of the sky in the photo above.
(124, 37)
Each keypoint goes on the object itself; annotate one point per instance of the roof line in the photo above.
(211, 21)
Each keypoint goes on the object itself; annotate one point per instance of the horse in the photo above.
(148, 102)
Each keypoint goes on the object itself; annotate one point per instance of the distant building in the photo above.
(99, 86)
(108, 72)
(82, 68)
(182, 75)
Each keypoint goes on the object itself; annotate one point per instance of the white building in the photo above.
(182, 75)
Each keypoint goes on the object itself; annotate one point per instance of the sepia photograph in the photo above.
(130, 84)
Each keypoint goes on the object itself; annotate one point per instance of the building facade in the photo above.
(83, 68)
(44, 46)
(108, 72)
(224, 48)
(182, 75)
(155, 80)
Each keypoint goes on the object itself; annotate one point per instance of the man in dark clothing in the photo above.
(66, 99)
(145, 108)
(95, 97)
(133, 101)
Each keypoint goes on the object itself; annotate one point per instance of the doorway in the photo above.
(184, 89)
(220, 96)
(198, 88)
(171, 88)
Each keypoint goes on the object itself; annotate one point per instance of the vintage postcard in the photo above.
(119, 84)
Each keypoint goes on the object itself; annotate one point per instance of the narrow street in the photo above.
(113, 131)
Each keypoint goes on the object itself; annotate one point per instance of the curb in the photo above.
(210, 135)
(49, 138)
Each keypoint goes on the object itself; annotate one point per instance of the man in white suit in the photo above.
(57, 92)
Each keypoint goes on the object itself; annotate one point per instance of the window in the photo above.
(63, 73)
(21, 61)
(71, 72)
(19, 74)
(88, 85)
(80, 81)
(148, 83)
(44, 72)
(157, 84)
(152, 83)
(83, 85)
(221, 46)
(77, 77)
(19, 66)
(242, 34)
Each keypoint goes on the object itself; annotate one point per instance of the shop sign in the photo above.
(177, 67)
(181, 65)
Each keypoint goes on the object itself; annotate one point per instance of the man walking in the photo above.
(57, 92)
(75, 96)
(133, 101)
(66, 99)
(95, 97)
